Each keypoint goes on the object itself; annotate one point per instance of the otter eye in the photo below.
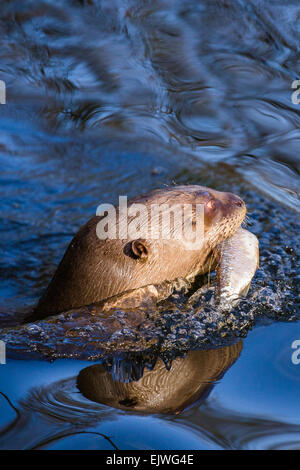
(202, 193)
(211, 204)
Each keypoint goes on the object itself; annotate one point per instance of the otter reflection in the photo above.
(189, 379)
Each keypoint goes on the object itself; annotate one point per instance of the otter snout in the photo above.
(236, 205)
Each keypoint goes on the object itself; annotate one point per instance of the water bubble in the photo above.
(34, 330)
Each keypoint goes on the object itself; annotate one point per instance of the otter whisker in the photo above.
(211, 260)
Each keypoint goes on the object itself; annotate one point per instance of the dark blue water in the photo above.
(120, 97)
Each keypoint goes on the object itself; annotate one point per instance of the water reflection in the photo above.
(159, 390)
(55, 415)
(232, 430)
(66, 418)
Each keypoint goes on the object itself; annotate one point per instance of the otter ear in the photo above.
(137, 249)
(140, 249)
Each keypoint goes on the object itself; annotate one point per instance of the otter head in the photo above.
(186, 209)
(93, 269)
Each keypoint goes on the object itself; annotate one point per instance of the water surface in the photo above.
(120, 97)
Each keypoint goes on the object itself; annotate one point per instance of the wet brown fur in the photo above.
(93, 269)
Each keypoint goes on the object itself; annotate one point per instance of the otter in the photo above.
(159, 390)
(93, 269)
